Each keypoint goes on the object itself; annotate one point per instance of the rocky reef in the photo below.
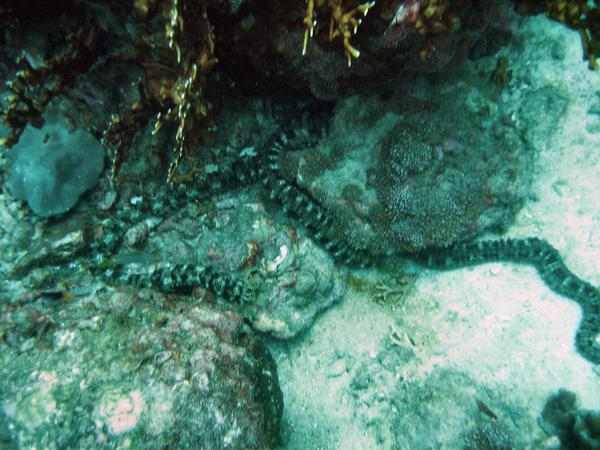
(117, 369)
(253, 153)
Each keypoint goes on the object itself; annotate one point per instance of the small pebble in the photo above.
(337, 369)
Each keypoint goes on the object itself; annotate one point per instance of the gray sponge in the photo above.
(51, 168)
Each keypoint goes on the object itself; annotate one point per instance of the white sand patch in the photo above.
(497, 323)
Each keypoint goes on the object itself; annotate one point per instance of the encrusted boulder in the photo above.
(134, 370)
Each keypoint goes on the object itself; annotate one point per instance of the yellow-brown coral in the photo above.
(175, 90)
(34, 87)
(426, 17)
(343, 22)
(190, 106)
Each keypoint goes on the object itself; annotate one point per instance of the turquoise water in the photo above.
(290, 251)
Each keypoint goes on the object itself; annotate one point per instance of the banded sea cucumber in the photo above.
(264, 168)
(184, 278)
(534, 251)
(546, 259)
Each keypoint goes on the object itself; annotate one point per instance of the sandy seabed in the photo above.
(493, 332)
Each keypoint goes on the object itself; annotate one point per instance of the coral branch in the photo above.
(342, 23)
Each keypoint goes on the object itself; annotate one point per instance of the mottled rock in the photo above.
(134, 370)
(288, 278)
(61, 243)
(576, 428)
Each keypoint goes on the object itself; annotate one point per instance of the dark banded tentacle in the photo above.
(248, 168)
(549, 265)
(228, 174)
(183, 279)
(298, 202)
